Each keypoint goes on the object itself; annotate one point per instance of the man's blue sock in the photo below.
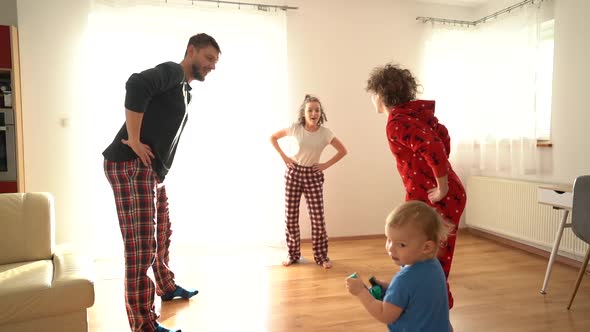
(179, 292)
(161, 328)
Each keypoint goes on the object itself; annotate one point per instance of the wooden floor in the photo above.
(496, 288)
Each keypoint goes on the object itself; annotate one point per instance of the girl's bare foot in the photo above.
(289, 261)
(327, 265)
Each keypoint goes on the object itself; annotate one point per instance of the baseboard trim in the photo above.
(524, 247)
(352, 238)
(482, 234)
(366, 237)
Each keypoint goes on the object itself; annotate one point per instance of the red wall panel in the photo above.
(5, 58)
(8, 187)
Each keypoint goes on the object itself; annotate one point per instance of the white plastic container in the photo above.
(7, 99)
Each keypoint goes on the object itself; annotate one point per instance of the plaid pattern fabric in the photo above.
(298, 180)
(142, 209)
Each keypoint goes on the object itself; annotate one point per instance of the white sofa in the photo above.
(42, 288)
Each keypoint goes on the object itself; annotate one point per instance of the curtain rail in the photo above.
(259, 6)
(481, 20)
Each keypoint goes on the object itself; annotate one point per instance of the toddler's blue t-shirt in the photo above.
(421, 290)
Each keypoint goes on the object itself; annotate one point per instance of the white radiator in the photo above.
(509, 208)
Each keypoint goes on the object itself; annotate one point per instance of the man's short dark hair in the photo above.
(202, 40)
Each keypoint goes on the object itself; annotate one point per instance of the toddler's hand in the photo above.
(355, 285)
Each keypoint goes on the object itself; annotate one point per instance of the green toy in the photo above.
(376, 290)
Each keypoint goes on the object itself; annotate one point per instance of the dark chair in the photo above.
(581, 222)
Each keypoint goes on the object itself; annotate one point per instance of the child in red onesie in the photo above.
(421, 147)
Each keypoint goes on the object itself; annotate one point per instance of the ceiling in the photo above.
(464, 3)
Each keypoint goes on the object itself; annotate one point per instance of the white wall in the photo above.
(49, 32)
(332, 48)
(570, 154)
(8, 12)
(333, 45)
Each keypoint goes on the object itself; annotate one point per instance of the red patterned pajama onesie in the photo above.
(421, 146)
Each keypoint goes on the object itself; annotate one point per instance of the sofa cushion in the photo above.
(43, 288)
(26, 220)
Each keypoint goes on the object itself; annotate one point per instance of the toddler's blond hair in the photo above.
(421, 216)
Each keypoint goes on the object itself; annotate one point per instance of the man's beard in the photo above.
(196, 73)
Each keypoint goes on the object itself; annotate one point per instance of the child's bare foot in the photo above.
(327, 265)
(289, 261)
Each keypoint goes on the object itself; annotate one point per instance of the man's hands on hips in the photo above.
(143, 151)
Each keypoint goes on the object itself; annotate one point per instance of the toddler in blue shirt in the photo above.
(416, 299)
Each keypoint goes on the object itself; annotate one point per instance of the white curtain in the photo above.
(484, 80)
(226, 183)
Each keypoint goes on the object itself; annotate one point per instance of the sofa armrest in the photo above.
(73, 278)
